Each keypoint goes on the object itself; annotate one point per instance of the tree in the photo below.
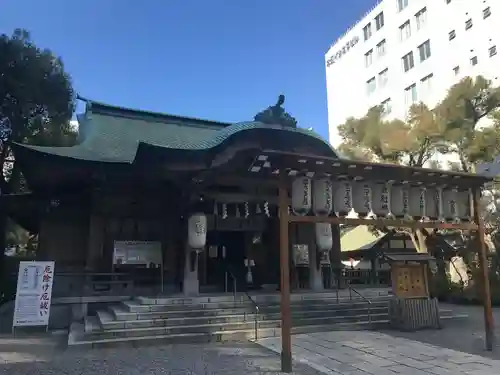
(411, 142)
(36, 98)
(36, 105)
(465, 105)
(450, 128)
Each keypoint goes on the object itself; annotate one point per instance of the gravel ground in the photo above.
(466, 335)
(43, 356)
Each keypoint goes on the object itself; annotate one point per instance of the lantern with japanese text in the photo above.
(322, 197)
(450, 209)
(400, 200)
(464, 202)
(301, 196)
(381, 196)
(197, 231)
(324, 237)
(433, 203)
(343, 198)
(362, 198)
(417, 202)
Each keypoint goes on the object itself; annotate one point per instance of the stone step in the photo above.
(135, 307)
(108, 320)
(263, 298)
(77, 337)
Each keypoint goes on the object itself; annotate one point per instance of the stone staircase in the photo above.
(225, 317)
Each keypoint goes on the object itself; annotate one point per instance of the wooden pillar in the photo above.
(483, 265)
(286, 321)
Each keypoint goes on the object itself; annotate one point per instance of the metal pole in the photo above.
(286, 321)
(483, 265)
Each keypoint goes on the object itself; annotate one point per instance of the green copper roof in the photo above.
(111, 134)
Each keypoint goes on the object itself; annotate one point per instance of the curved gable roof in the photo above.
(114, 135)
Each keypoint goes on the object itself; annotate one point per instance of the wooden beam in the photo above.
(382, 222)
(483, 265)
(286, 318)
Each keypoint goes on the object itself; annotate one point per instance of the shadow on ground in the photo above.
(43, 356)
(466, 335)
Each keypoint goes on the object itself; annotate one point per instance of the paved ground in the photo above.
(466, 335)
(374, 353)
(42, 356)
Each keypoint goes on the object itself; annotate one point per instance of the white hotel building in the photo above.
(406, 51)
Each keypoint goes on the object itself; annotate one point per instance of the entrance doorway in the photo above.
(226, 252)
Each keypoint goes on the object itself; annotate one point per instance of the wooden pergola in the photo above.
(278, 169)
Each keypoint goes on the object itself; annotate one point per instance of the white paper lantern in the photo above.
(324, 237)
(381, 195)
(417, 202)
(400, 200)
(433, 203)
(197, 231)
(323, 197)
(450, 209)
(301, 196)
(362, 198)
(464, 205)
(343, 198)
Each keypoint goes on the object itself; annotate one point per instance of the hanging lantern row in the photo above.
(322, 197)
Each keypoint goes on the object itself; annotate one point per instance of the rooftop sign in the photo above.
(351, 43)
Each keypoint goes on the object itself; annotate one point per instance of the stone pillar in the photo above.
(191, 284)
(315, 280)
(336, 257)
(307, 234)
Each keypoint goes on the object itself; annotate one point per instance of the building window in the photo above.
(473, 61)
(492, 51)
(424, 50)
(468, 24)
(369, 58)
(408, 62)
(426, 86)
(381, 48)
(411, 94)
(367, 31)
(386, 105)
(486, 12)
(383, 77)
(402, 4)
(452, 35)
(379, 21)
(456, 70)
(404, 31)
(421, 18)
(370, 86)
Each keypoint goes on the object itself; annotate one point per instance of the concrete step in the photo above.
(136, 307)
(343, 296)
(221, 327)
(109, 321)
(77, 337)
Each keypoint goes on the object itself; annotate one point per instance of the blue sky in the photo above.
(215, 59)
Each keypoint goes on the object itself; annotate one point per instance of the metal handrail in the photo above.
(351, 289)
(255, 306)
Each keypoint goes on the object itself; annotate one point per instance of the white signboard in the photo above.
(137, 252)
(34, 293)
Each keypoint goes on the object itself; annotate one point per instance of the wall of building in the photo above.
(347, 77)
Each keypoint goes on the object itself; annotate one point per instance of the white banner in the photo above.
(34, 294)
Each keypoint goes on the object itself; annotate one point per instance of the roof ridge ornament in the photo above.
(276, 115)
